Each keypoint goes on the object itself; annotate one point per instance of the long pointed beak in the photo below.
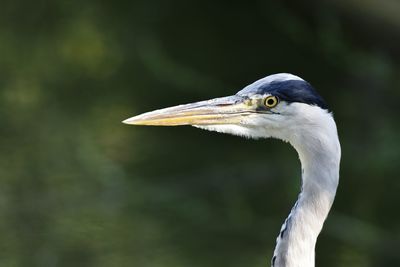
(224, 110)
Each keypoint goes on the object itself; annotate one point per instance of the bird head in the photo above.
(279, 106)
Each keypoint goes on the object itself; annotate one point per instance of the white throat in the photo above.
(319, 152)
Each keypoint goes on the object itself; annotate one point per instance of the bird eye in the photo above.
(271, 101)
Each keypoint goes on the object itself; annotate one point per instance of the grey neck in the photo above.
(320, 176)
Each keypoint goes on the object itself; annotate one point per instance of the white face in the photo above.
(280, 121)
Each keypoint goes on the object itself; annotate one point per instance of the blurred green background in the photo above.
(78, 188)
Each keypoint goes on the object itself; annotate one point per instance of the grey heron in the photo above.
(286, 107)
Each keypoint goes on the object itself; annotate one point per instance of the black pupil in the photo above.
(270, 102)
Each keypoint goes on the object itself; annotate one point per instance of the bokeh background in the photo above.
(78, 188)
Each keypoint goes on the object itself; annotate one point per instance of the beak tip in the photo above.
(128, 121)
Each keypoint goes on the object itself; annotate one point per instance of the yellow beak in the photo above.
(224, 110)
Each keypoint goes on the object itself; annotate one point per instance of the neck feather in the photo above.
(319, 153)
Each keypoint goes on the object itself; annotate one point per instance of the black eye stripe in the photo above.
(290, 91)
